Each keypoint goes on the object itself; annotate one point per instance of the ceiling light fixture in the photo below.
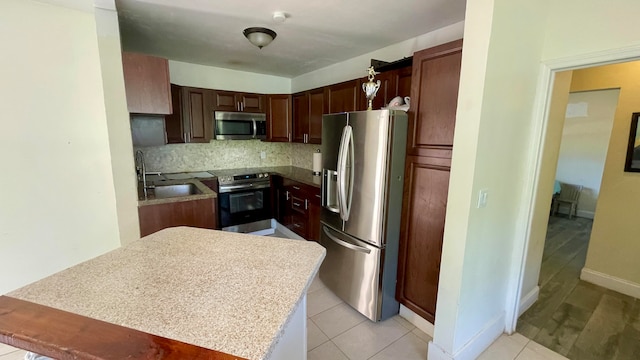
(259, 36)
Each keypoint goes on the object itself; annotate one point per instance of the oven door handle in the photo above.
(250, 186)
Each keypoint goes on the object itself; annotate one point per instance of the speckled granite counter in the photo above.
(223, 291)
(304, 176)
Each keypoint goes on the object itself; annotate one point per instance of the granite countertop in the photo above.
(223, 291)
(304, 176)
(205, 192)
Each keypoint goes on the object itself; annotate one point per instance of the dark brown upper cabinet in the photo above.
(173, 122)
(308, 108)
(317, 108)
(146, 81)
(300, 117)
(343, 97)
(434, 94)
(192, 119)
(279, 118)
(236, 101)
(197, 114)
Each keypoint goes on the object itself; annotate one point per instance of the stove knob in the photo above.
(259, 175)
(266, 175)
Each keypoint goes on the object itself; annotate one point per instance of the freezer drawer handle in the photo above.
(344, 243)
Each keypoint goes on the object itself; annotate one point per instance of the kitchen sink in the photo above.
(169, 191)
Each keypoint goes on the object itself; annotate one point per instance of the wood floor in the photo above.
(577, 319)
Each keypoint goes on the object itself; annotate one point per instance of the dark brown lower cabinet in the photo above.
(424, 206)
(297, 207)
(195, 213)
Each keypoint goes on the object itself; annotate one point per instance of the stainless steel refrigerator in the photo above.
(363, 156)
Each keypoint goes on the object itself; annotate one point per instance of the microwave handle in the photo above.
(255, 129)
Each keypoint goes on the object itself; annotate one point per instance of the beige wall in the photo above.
(118, 125)
(585, 141)
(58, 200)
(614, 245)
(210, 77)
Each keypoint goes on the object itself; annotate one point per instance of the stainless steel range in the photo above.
(244, 200)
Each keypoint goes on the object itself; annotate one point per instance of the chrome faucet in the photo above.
(141, 170)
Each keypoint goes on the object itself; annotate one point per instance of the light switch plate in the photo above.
(483, 194)
(263, 155)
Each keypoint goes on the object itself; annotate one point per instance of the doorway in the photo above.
(575, 318)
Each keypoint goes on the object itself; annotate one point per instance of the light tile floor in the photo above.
(335, 331)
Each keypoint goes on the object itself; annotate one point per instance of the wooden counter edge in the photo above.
(63, 335)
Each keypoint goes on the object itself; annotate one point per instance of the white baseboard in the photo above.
(611, 282)
(580, 213)
(416, 320)
(474, 347)
(528, 300)
(585, 214)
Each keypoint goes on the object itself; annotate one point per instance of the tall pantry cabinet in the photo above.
(434, 96)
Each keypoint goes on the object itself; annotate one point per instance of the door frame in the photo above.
(548, 70)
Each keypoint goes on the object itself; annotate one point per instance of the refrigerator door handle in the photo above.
(351, 162)
(345, 142)
(344, 243)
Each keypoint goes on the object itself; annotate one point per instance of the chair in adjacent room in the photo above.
(569, 195)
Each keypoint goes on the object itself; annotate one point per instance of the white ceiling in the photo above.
(317, 33)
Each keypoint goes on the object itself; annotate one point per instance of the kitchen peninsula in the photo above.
(217, 292)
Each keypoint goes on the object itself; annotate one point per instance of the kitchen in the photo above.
(109, 211)
(290, 150)
(292, 122)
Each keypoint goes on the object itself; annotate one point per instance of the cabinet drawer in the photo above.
(298, 224)
(299, 204)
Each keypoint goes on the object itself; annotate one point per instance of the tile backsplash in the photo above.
(302, 155)
(220, 154)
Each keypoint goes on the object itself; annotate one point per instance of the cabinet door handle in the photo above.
(287, 194)
(289, 137)
(306, 204)
(297, 225)
(185, 137)
(297, 188)
(296, 204)
(242, 106)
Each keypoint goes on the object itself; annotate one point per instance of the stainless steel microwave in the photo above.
(239, 125)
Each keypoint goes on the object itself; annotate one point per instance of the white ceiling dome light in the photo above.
(259, 36)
